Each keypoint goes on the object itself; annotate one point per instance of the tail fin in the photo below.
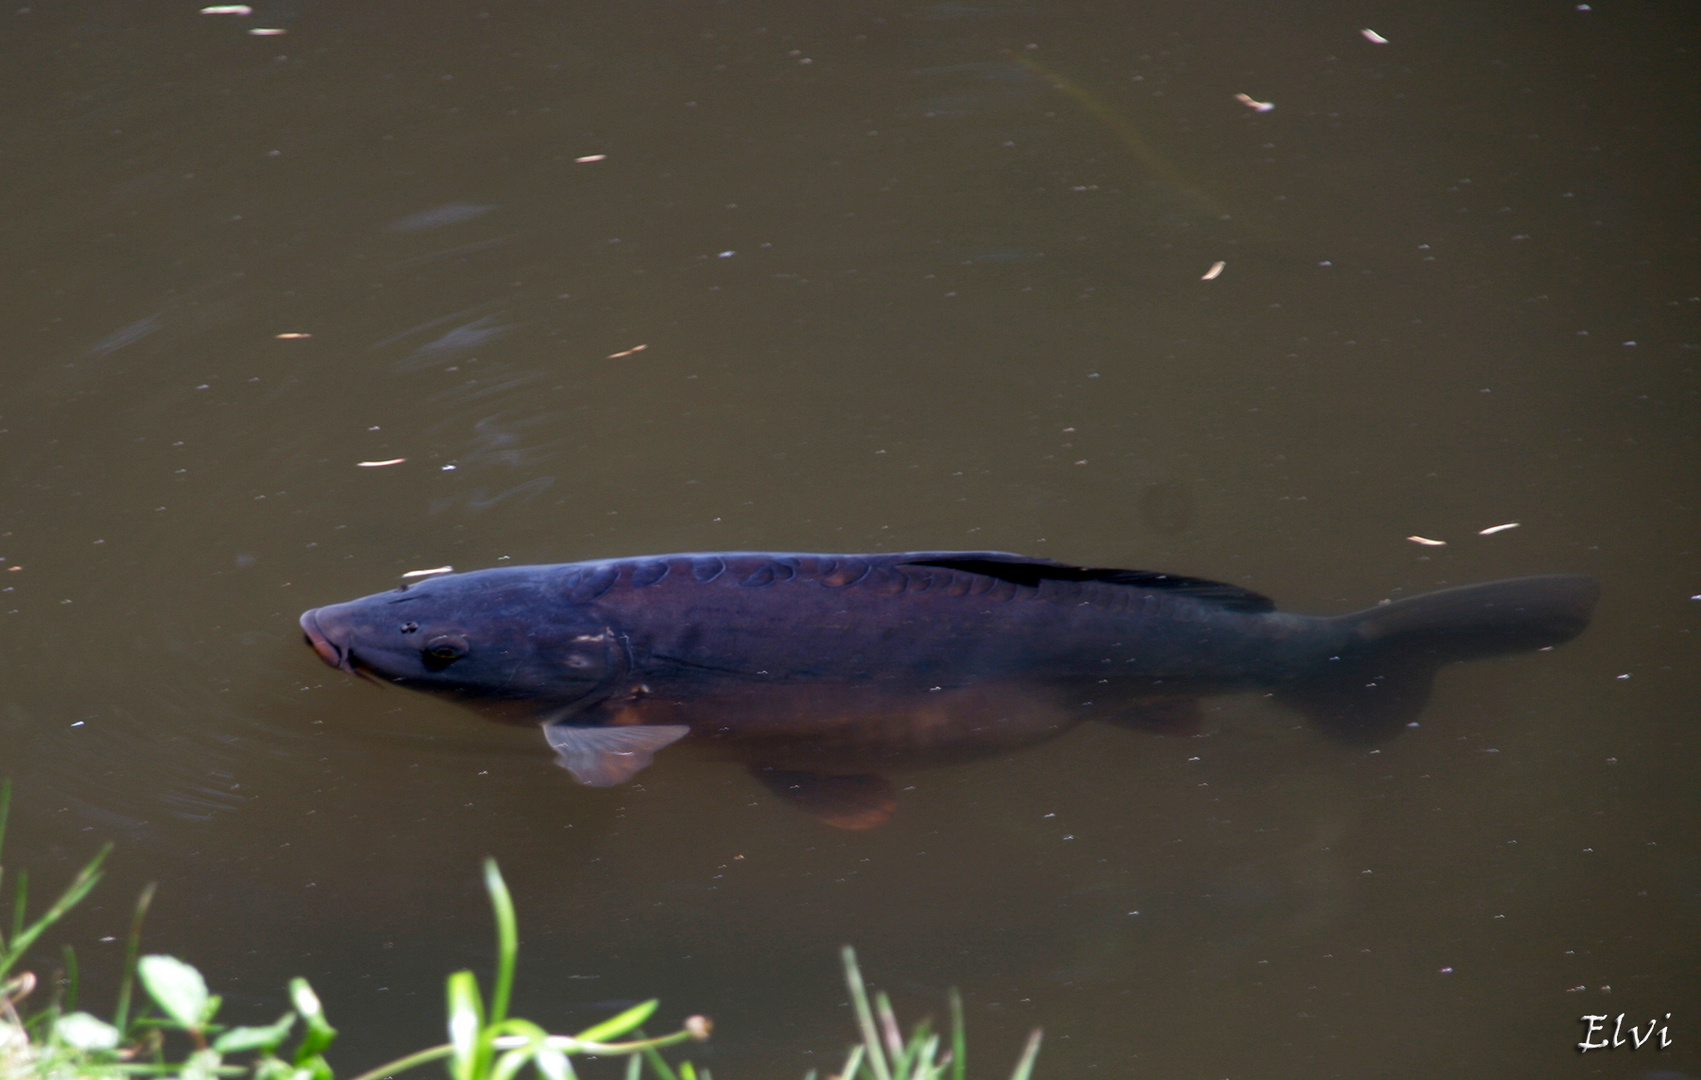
(1380, 679)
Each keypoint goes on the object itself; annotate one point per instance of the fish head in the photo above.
(504, 641)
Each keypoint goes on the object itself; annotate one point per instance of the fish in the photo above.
(821, 673)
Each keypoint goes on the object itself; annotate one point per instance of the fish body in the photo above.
(823, 671)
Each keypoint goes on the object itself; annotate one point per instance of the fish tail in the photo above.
(1378, 677)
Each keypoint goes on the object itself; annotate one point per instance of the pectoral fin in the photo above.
(605, 756)
(859, 801)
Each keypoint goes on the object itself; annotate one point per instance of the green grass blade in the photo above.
(959, 1037)
(514, 1025)
(853, 1062)
(931, 1068)
(889, 1030)
(553, 1064)
(918, 1052)
(5, 809)
(864, 1016)
(614, 1027)
(507, 941)
(413, 1060)
(634, 1067)
(466, 1019)
(23, 937)
(657, 1062)
(73, 980)
(19, 901)
(511, 1063)
(1031, 1051)
(132, 945)
(5, 813)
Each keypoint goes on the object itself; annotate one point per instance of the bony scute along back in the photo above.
(823, 672)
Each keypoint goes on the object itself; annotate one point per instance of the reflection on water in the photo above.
(126, 335)
(453, 345)
(979, 330)
(437, 217)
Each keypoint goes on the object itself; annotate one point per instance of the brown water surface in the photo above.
(629, 278)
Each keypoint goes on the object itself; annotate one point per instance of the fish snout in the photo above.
(328, 650)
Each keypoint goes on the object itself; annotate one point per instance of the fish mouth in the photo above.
(328, 650)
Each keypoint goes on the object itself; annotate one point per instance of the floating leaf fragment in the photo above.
(628, 352)
(1426, 541)
(293, 335)
(268, 31)
(428, 573)
(379, 464)
(1492, 529)
(1256, 106)
(1214, 272)
(589, 158)
(228, 9)
(1373, 37)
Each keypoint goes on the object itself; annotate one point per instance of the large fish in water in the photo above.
(822, 671)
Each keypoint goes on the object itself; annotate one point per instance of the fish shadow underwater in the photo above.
(822, 672)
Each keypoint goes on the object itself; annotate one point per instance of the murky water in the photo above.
(641, 278)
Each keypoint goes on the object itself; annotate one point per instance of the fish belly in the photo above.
(839, 727)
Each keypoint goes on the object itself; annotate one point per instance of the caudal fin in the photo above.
(1380, 678)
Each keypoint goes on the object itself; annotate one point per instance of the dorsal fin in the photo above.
(1024, 571)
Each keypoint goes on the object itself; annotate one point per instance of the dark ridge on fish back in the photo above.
(1031, 572)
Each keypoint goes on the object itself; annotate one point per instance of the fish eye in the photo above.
(443, 650)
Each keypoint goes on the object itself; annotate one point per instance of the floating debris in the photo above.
(379, 464)
(1256, 106)
(228, 9)
(628, 352)
(268, 31)
(428, 573)
(1373, 37)
(1214, 272)
(1492, 529)
(1426, 541)
(293, 335)
(589, 158)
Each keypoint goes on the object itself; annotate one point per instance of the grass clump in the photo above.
(883, 1053)
(176, 1034)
